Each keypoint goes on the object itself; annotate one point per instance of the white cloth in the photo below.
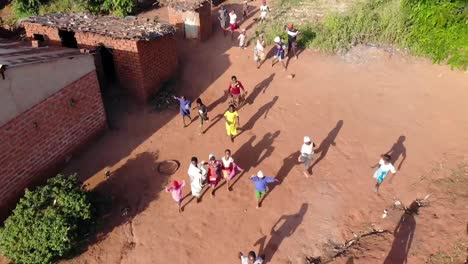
(386, 167)
(307, 150)
(242, 39)
(197, 176)
(259, 46)
(227, 162)
(232, 18)
(293, 33)
(263, 11)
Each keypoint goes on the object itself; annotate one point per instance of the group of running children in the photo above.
(210, 173)
(259, 47)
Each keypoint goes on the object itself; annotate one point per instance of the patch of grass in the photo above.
(436, 29)
(455, 256)
(457, 183)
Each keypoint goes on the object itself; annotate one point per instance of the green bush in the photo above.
(46, 222)
(25, 8)
(437, 29)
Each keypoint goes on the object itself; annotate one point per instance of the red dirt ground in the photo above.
(354, 108)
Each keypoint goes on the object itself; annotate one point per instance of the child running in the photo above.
(197, 175)
(222, 17)
(228, 167)
(280, 51)
(292, 40)
(214, 172)
(184, 104)
(245, 10)
(259, 51)
(236, 91)
(176, 192)
(251, 258)
(242, 39)
(384, 166)
(232, 22)
(232, 122)
(263, 11)
(261, 182)
(307, 151)
(202, 114)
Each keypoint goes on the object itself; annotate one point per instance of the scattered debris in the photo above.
(121, 28)
(413, 208)
(340, 249)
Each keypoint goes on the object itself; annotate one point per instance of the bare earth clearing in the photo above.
(354, 111)
(354, 107)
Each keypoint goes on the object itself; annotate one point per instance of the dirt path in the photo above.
(353, 111)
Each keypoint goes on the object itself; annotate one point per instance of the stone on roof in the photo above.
(183, 4)
(115, 27)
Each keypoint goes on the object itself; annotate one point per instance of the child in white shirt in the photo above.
(242, 39)
(384, 166)
(307, 150)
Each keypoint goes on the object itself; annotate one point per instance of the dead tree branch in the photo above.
(340, 249)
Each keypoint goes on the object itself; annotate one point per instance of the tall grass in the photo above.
(437, 29)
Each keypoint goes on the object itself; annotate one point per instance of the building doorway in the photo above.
(68, 39)
(110, 88)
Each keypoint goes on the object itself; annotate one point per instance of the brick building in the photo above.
(50, 106)
(191, 16)
(139, 55)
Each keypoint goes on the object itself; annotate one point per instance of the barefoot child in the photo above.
(214, 172)
(259, 51)
(245, 10)
(263, 11)
(202, 113)
(197, 175)
(236, 91)
(222, 17)
(176, 192)
(242, 39)
(261, 182)
(232, 122)
(184, 104)
(307, 150)
(292, 40)
(384, 166)
(280, 51)
(232, 22)
(228, 167)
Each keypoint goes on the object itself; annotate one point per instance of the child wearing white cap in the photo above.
(280, 51)
(307, 150)
(261, 182)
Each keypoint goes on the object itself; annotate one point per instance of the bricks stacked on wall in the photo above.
(37, 142)
(159, 58)
(141, 66)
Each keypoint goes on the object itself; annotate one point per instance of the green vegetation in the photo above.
(47, 222)
(456, 255)
(25, 8)
(437, 29)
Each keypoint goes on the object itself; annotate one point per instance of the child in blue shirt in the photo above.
(261, 182)
(184, 108)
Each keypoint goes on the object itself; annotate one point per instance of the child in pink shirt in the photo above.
(176, 191)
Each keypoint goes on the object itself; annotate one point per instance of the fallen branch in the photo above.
(413, 208)
(341, 249)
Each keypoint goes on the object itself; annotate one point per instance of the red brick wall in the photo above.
(51, 35)
(137, 74)
(159, 57)
(29, 153)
